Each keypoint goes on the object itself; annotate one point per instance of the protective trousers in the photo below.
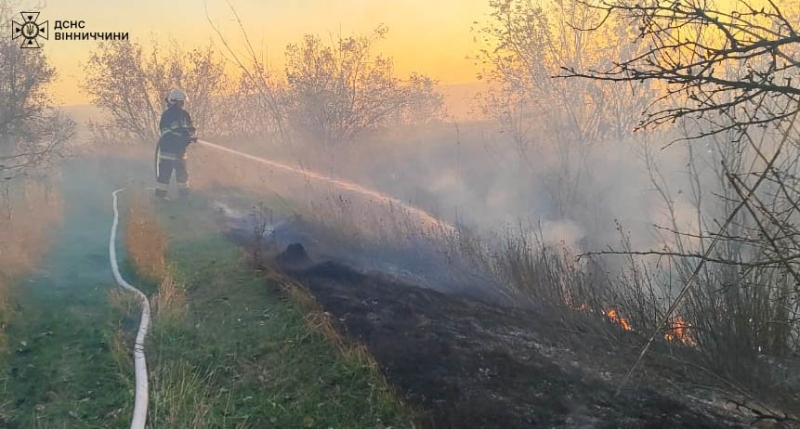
(165, 164)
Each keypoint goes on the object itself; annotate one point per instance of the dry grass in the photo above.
(146, 244)
(29, 212)
(145, 241)
(217, 169)
(27, 215)
(169, 303)
(180, 396)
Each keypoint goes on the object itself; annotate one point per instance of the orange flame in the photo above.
(612, 315)
(678, 331)
(616, 318)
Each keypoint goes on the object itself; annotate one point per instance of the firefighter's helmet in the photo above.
(175, 96)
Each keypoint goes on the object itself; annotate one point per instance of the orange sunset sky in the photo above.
(431, 37)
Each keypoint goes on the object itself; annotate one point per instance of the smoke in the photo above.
(476, 177)
(479, 179)
(585, 195)
(564, 232)
(473, 173)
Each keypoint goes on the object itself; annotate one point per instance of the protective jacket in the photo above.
(177, 130)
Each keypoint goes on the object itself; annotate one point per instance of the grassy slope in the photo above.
(240, 357)
(251, 358)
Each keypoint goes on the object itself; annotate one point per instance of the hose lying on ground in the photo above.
(140, 364)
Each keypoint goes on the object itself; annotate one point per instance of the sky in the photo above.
(431, 37)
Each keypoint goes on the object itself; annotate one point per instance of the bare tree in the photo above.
(31, 130)
(558, 122)
(733, 67)
(250, 113)
(259, 103)
(424, 103)
(729, 78)
(117, 81)
(201, 73)
(329, 92)
(130, 84)
(341, 89)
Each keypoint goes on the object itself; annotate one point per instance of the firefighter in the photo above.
(177, 132)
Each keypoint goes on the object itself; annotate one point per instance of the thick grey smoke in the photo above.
(475, 176)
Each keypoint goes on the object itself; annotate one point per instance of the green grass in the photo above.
(57, 371)
(244, 356)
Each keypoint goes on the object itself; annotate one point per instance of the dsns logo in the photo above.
(29, 30)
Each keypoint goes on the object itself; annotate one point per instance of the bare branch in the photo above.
(706, 68)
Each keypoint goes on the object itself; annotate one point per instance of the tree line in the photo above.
(330, 91)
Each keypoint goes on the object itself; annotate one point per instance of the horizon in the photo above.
(414, 29)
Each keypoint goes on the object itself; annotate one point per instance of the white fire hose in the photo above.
(140, 364)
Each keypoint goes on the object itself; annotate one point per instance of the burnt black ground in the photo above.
(421, 264)
(470, 364)
(467, 362)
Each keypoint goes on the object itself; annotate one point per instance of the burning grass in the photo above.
(631, 295)
(616, 318)
(521, 265)
(678, 330)
(634, 295)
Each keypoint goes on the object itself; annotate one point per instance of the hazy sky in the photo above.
(430, 36)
